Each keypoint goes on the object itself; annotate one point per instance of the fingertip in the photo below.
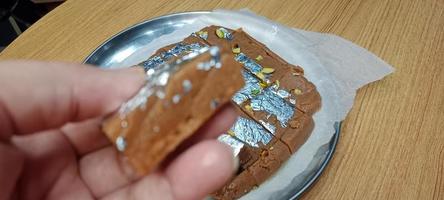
(113, 88)
(45, 95)
(202, 169)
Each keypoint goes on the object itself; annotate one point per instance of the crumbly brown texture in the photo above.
(156, 131)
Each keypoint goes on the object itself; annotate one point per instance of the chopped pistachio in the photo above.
(231, 132)
(267, 70)
(248, 108)
(297, 91)
(259, 58)
(263, 85)
(224, 33)
(261, 76)
(236, 50)
(220, 33)
(255, 91)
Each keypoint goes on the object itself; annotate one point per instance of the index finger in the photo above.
(36, 96)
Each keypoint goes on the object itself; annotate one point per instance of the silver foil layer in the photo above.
(247, 92)
(187, 85)
(268, 126)
(250, 132)
(121, 143)
(270, 102)
(248, 63)
(235, 144)
(177, 50)
(283, 93)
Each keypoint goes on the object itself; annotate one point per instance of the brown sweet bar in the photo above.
(159, 126)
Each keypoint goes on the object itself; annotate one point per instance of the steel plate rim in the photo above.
(332, 148)
(333, 142)
(140, 24)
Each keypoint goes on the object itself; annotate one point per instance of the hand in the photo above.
(51, 146)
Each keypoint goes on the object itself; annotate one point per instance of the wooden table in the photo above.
(392, 142)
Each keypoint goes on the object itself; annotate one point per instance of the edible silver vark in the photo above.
(225, 33)
(251, 84)
(176, 98)
(235, 144)
(268, 126)
(248, 63)
(121, 143)
(186, 84)
(214, 104)
(175, 51)
(250, 132)
(271, 103)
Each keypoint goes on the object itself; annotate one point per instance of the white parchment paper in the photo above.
(336, 66)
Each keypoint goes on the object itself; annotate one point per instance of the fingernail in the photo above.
(234, 157)
(235, 163)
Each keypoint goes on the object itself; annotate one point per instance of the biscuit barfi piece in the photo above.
(187, 98)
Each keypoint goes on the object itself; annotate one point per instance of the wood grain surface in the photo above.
(392, 142)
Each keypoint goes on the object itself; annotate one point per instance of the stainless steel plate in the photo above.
(135, 37)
